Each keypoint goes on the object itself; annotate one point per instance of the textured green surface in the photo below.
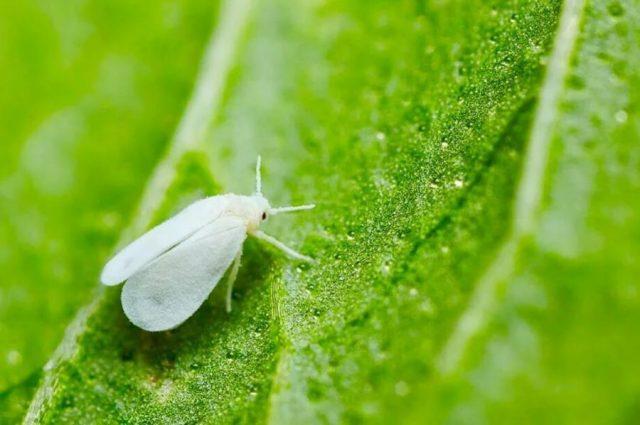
(477, 225)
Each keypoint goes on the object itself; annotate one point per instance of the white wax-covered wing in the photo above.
(170, 289)
(162, 238)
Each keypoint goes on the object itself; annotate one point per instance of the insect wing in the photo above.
(170, 289)
(162, 238)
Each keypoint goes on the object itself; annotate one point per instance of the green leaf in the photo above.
(87, 104)
(476, 229)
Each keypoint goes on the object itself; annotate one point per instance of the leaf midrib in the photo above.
(201, 110)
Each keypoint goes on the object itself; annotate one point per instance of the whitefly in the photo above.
(171, 269)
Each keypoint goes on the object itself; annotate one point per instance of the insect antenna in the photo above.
(258, 176)
(279, 210)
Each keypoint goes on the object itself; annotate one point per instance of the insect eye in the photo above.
(264, 215)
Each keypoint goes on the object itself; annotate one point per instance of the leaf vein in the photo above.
(528, 196)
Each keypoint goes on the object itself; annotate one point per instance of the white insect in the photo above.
(172, 269)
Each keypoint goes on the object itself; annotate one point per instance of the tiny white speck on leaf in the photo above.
(621, 116)
(427, 307)
(402, 389)
(14, 357)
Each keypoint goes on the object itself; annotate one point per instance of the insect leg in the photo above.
(232, 279)
(282, 247)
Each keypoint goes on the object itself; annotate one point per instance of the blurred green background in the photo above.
(411, 123)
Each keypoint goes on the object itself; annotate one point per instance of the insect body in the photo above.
(171, 269)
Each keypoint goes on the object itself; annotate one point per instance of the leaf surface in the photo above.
(472, 163)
